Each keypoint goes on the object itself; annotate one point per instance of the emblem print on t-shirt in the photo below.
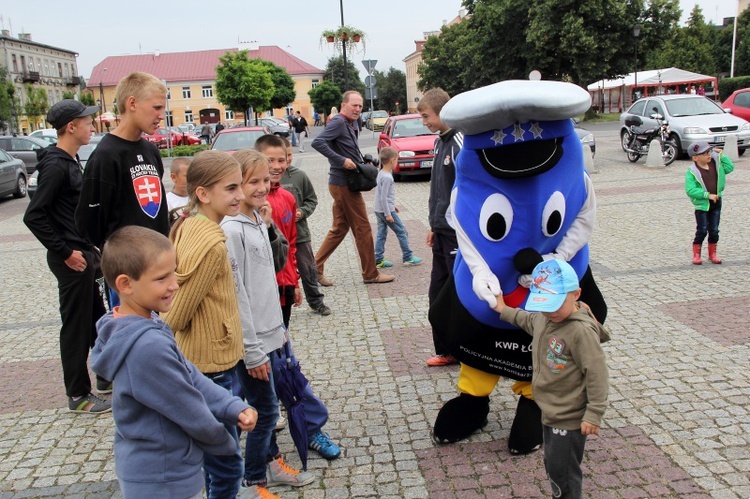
(147, 188)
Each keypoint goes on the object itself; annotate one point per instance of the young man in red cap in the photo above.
(73, 260)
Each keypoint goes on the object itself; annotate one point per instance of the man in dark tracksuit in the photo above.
(442, 237)
(73, 261)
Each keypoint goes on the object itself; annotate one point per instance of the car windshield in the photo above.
(410, 128)
(379, 114)
(692, 107)
(234, 141)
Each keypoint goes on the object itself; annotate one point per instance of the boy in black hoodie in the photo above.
(73, 260)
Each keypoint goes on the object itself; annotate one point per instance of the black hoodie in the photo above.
(50, 214)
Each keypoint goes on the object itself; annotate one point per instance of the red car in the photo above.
(739, 103)
(172, 137)
(234, 139)
(413, 141)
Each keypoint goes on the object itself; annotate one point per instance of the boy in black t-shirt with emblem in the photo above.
(122, 183)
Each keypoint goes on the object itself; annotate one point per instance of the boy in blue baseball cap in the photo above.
(570, 379)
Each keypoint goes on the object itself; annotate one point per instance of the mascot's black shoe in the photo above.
(460, 417)
(526, 432)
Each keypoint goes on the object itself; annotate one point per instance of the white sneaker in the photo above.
(281, 422)
(280, 473)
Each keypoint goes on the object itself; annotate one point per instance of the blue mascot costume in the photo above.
(521, 195)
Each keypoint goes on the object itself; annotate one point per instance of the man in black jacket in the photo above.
(73, 260)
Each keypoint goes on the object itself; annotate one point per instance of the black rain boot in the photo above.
(526, 432)
(460, 417)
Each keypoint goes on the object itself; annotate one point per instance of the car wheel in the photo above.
(21, 188)
(669, 152)
(678, 146)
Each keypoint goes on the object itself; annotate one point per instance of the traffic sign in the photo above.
(369, 81)
(371, 93)
(369, 64)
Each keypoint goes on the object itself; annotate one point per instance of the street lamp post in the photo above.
(343, 49)
(636, 34)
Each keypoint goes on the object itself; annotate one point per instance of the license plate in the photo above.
(426, 164)
(720, 140)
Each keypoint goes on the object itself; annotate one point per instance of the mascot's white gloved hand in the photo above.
(486, 286)
(525, 280)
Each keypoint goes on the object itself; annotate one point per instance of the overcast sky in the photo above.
(97, 29)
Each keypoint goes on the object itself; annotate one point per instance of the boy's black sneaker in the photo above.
(103, 386)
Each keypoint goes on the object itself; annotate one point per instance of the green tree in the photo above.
(447, 61)
(563, 39)
(325, 96)
(36, 104)
(284, 91)
(691, 47)
(391, 87)
(67, 94)
(242, 83)
(87, 98)
(8, 102)
(335, 74)
(742, 52)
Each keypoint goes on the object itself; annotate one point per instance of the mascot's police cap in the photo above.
(499, 105)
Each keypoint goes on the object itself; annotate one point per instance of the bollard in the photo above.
(730, 148)
(654, 158)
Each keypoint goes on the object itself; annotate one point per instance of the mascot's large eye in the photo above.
(496, 217)
(553, 214)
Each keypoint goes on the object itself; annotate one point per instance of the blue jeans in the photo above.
(707, 222)
(396, 226)
(316, 412)
(260, 443)
(223, 474)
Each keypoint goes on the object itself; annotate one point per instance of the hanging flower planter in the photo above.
(353, 37)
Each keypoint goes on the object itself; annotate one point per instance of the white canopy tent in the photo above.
(615, 94)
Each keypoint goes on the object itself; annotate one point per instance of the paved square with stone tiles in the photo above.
(678, 424)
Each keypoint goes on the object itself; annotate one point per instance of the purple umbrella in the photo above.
(290, 387)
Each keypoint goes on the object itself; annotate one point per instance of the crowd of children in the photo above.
(208, 308)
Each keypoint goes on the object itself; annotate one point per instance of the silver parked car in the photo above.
(690, 117)
(26, 149)
(276, 125)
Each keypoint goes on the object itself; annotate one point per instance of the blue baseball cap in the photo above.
(552, 280)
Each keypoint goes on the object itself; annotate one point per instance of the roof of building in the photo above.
(37, 44)
(189, 66)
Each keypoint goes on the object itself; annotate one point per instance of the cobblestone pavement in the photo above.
(679, 421)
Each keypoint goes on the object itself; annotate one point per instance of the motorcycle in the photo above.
(636, 141)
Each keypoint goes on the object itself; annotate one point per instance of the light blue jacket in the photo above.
(167, 414)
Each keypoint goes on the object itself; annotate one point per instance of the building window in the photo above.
(188, 116)
(185, 92)
(315, 82)
(39, 64)
(207, 91)
(228, 114)
(59, 70)
(31, 64)
(67, 70)
(46, 68)
(168, 118)
(15, 64)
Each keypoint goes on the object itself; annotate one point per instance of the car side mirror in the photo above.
(383, 136)
(727, 110)
(656, 116)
